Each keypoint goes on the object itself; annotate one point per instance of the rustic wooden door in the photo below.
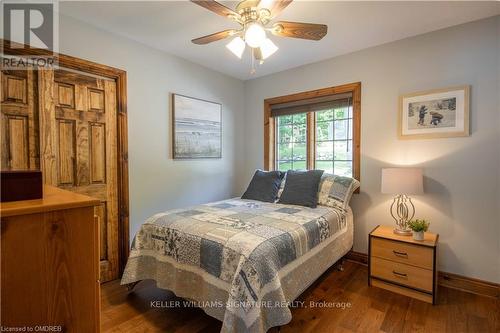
(78, 147)
(19, 120)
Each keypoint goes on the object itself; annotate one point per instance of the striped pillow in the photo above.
(336, 191)
(282, 187)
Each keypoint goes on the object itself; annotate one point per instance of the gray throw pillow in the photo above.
(301, 188)
(264, 186)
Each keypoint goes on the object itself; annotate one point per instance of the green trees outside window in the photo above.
(333, 141)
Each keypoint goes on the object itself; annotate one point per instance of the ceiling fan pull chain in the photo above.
(252, 71)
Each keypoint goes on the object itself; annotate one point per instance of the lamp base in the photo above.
(402, 232)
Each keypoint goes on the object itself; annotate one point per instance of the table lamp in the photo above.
(402, 182)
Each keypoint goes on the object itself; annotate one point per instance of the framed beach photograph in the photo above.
(439, 113)
(197, 128)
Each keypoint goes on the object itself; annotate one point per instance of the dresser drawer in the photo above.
(405, 253)
(407, 275)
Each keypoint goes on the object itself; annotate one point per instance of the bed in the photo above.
(241, 261)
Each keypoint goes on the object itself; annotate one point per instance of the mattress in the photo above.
(241, 261)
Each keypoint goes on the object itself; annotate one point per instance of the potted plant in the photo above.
(418, 227)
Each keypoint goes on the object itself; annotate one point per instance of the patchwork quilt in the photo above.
(239, 245)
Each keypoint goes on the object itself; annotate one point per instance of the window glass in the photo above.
(291, 143)
(334, 141)
(333, 146)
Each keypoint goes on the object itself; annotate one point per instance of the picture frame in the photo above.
(438, 113)
(196, 128)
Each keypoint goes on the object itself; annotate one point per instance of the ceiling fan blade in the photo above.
(213, 37)
(215, 7)
(247, 4)
(277, 7)
(299, 30)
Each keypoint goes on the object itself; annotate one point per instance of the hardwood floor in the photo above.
(372, 309)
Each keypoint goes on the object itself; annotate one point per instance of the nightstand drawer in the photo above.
(411, 276)
(415, 255)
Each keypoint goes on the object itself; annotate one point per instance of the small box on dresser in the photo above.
(403, 265)
(21, 185)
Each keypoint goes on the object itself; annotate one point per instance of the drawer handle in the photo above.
(400, 254)
(399, 274)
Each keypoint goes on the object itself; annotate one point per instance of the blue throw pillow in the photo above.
(301, 188)
(264, 186)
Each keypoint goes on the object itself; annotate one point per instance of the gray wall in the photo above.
(462, 198)
(462, 174)
(157, 182)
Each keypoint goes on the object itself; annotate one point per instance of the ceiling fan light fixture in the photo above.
(254, 35)
(255, 17)
(267, 48)
(236, 46)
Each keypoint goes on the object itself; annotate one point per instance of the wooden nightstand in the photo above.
(403, 265)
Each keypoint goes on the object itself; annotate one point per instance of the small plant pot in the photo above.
(418, 235)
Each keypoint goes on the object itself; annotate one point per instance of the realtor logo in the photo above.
(29, 26)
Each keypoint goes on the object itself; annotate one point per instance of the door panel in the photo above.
(66, 142)
(19, 120)
(14, 88)
(96, 100)
(97, 153)
(18, 142)
(65, 95)
(82, 155)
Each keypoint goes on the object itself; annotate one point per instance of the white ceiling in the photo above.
(170, 26)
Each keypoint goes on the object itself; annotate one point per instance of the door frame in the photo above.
(120, 77)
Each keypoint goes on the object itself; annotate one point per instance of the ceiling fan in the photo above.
(254, 17)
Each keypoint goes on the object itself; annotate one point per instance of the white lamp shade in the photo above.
(267, 48)
(237, 46)
(402, 181)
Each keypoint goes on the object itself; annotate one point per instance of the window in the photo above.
(314, 130)
(333, 144)
(291, 149)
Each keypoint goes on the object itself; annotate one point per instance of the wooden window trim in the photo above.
(269, 124)
(120, 77)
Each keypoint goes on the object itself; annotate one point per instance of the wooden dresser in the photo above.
(50, 263)
(403, 265)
